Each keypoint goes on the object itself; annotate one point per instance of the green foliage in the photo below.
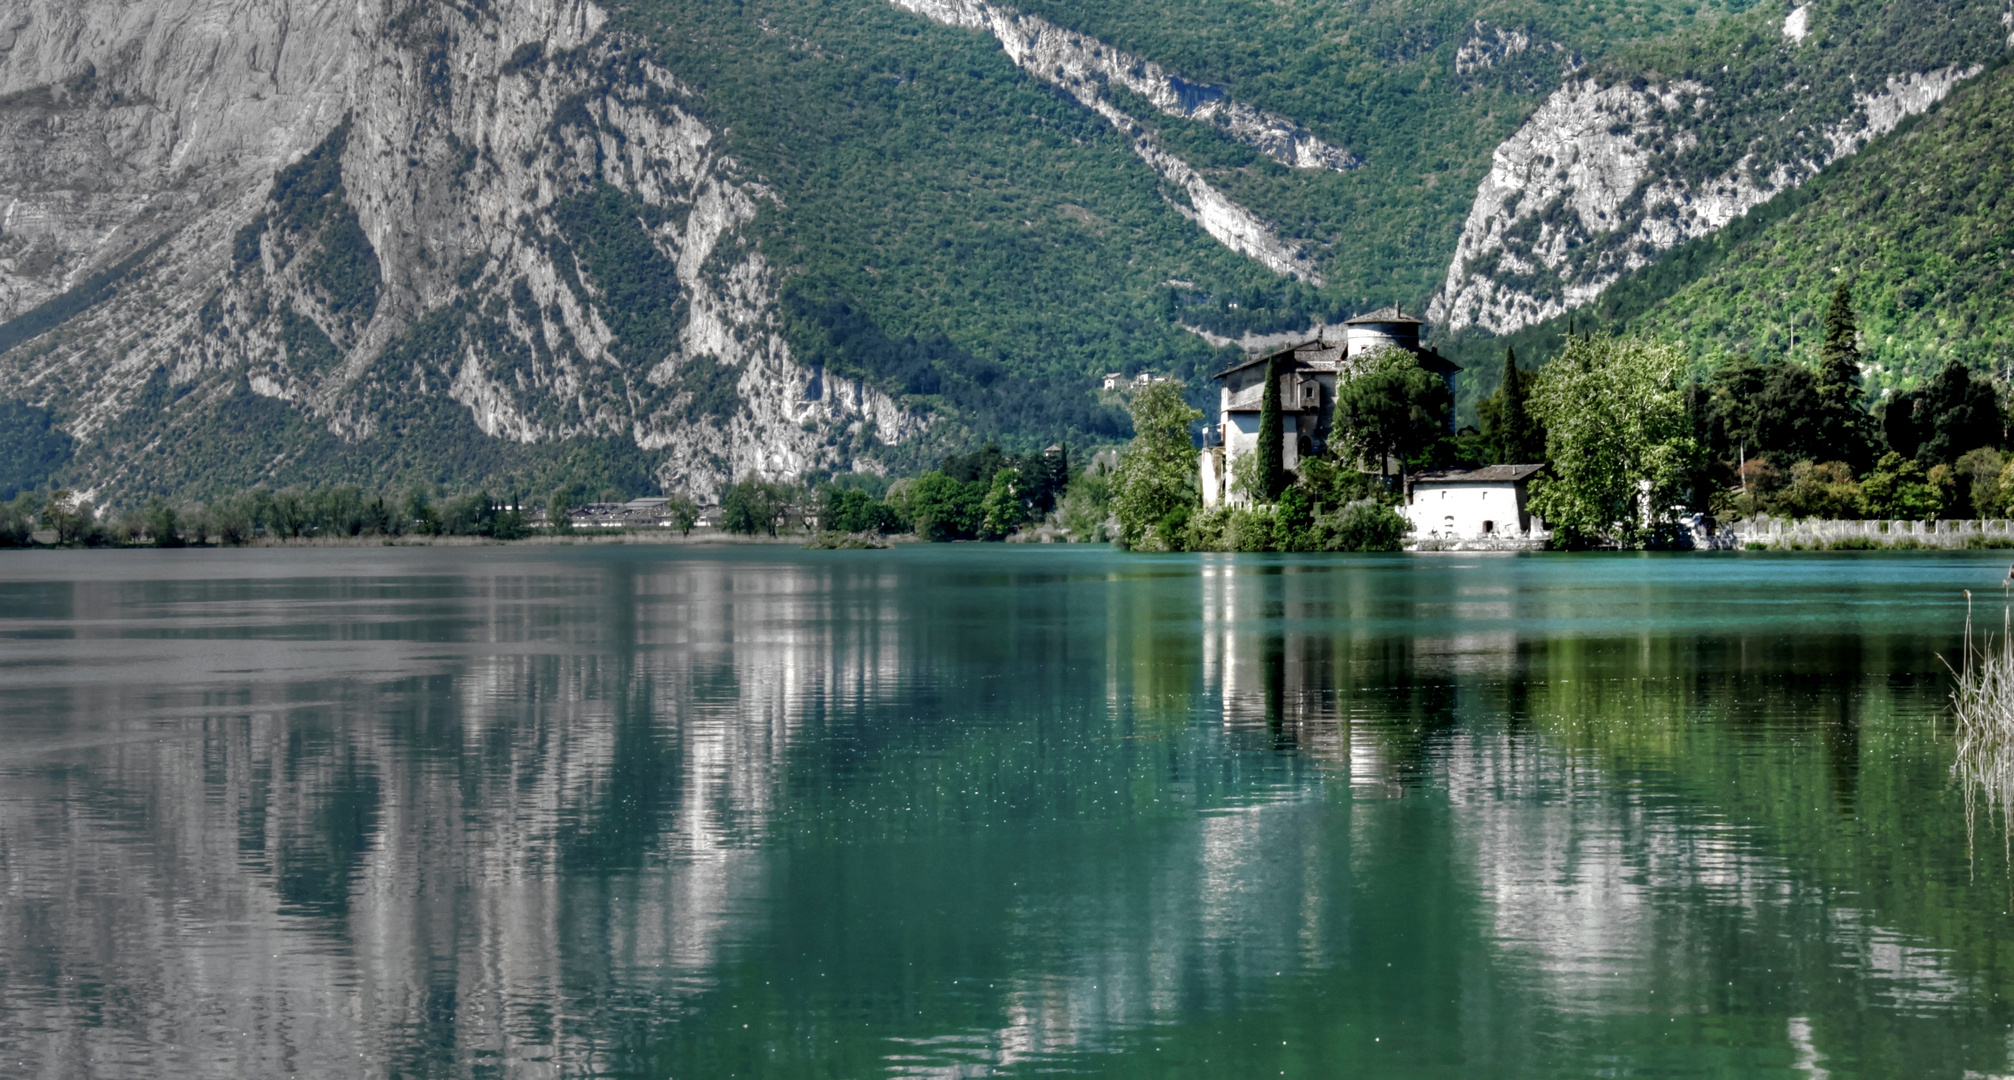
(639, 291)
(1392, 408)
(1899, 489)
(1001, 510)
(1918, 221)
(943, 508)
(1509, 434)
(682, 513)
(17, 520)
(755, 506)
(1980, 489)
(1364, 525)
(1614, 410)
(162, 524)
(1819, 490)
(31, 447)
(850, 510)
(74, 520)
(1085, 508)
(1292, 524)
(1157, 474)
(1957, 414)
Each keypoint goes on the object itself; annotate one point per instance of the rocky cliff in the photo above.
(1614, 169)
(1082, 66)
(343, 229)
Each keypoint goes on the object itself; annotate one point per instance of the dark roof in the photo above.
(1488, 474)
(1390, 314)
(1436, 363)
(1261, 358)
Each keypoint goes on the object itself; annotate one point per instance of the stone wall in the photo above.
(1811, 532)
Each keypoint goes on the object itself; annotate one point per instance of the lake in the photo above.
(971, 810)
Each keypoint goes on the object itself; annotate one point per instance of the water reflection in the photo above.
(965, 812)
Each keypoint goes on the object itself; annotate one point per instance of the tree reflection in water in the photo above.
(937, 812)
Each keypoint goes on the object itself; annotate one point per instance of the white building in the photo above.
(1471, 504)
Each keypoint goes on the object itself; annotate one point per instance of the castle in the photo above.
(1308, 376)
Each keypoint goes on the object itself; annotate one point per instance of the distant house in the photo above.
(1471, 504)
(1112, 379)
(1309, 373)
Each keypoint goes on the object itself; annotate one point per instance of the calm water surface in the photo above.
(976, 810)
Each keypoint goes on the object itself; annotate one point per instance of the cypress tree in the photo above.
(1514, 438)
(1272, 437)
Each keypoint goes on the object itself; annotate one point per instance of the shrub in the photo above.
(1364, 525)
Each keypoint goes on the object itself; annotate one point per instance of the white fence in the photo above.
(1814, 532)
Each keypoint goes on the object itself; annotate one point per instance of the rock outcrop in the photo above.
(1590, 188)
(367, 211)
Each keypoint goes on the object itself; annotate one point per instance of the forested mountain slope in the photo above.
(1674, 139)
(672, 244)
(1921, 226)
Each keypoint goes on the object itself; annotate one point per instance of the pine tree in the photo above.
(1842, 424)
(1272, 437)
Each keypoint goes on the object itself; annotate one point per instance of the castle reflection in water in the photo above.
(537, 815)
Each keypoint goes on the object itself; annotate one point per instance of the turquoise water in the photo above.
(976, 810)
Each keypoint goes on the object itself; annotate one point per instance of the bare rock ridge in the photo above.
(1081, 65)
(1586, 191)
(361, 210)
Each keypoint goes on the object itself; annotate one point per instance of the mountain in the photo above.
(1920, 225)
(1675, 139)
(667, 245)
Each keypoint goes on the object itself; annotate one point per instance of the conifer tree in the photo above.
(1272, 437)
(1513, 435)
(1841, 422)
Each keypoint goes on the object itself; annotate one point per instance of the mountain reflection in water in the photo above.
(978, 810)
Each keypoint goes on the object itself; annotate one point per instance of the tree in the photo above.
(556, 506)
(1957, 414)
(1787, 414)
(1271, 453)
(1819, 490)
(1393, 409)
(1734, 389)
(682, 513)
(1510, 435)
(1617, 439)
(163, 525)
(943, 508)
(754, 506)
(1901, 428)
(1001, 510)
(1899, 490)
(1842, 425)
(1156, 481)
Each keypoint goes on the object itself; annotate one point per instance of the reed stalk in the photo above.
(1983, 705)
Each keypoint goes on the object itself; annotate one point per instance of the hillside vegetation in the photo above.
(949, 219)
(1921, 225)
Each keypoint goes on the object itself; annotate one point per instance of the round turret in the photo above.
(1384, 327)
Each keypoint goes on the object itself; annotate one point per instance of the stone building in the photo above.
(1471, 504)
(1309, 373)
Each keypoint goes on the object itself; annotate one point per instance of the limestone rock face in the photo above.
(383, 212)
(1587, 191)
